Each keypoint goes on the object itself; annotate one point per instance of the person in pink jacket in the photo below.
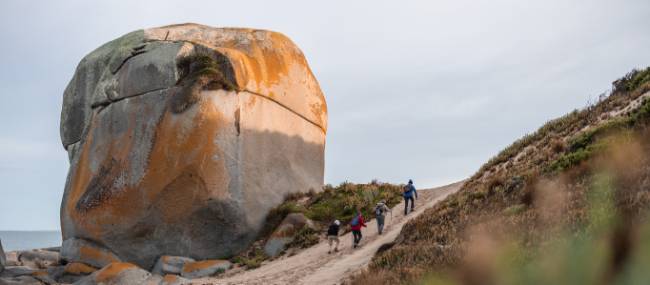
(356, 224)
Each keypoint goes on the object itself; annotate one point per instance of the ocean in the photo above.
(21, 240)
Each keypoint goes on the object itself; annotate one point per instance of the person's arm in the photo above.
(362, 222)
(416, 192)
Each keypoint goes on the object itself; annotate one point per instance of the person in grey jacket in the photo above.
(380, 214)
(409, 192)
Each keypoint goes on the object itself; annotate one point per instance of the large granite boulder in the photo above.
(182, 138)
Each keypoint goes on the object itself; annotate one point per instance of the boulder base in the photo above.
(115, 274)
(170, 264)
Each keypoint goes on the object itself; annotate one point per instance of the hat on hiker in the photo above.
(336, 222)
(410, 181)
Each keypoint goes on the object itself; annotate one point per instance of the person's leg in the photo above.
(406, 205)
(355, 237)
(412, 204)
(336, 247)
(380, 224)
(329, 241)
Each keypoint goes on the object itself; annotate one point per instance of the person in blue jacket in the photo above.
(409, 192)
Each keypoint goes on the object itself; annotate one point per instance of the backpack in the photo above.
(379, 210)
(355, 221)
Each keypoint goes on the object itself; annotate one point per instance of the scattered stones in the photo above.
(12, 259)
(182, 138)
(54, 248)
(78, 250)
(285, 233)
(14, 271)
(170, 264)
(116, 273)
(44, 276)
(204, 268)
(169, 279)
(38, 259)
(76, 268)
(20, 280)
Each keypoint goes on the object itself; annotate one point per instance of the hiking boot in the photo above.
(329, 252)
(336, 250)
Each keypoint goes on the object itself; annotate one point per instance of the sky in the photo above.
(422, 90)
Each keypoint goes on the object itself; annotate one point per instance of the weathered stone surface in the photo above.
(204, 268)
(3, 258)
(20, 280)
(116, 273)
(44, 277)
(182, 138)
(76, 268)
(77, 250)
(167, 264)
(38, 258)
(13, 271)
(285, 233)
(168, 279)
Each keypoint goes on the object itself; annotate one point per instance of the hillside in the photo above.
(565, 204)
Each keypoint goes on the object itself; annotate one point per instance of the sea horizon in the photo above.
(13, 240)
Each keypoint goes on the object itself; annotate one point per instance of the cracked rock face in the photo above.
(182, 138)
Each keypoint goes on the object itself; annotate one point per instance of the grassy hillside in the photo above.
(564, 205)
(334, 202)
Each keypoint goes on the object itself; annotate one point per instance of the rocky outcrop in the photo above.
(182, 138)
(286, 232)
(3, 258)
(38, 258)
(20, 280)
(204, 268)
(170, 264)
(168, 279)
(116, 274)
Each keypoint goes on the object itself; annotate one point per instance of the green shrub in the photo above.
(338, 202)
(305, 238)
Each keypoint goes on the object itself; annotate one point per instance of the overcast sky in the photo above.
(427, 90)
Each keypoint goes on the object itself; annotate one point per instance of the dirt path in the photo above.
(315, 266)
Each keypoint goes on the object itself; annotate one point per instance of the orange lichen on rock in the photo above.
(170, 279)
(78, 268)
(40, 273)
(162, 163)
(91, 253)
(200, 265)
(113, 270)
(263, 61)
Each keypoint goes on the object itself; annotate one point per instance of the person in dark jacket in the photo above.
(333, 235)
(409, 192)
(356, 224)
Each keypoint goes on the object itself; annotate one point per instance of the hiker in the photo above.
(333, 236)
(380, 214)
(355, 225)
(409, 191)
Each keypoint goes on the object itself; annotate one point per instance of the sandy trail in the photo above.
(315, 266)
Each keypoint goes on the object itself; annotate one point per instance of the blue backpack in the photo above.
(355, 221)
